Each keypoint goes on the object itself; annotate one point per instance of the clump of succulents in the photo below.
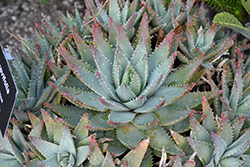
(202, 37)
(121, 87)
(14, 150)
(217, 142)
(31, 75)
(50, 142)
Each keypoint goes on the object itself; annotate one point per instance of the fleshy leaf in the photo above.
(72, 117)
(170, 115)
(231, 161)
(170, 94)
(101, 43)
(88, 78)
(125, 93)
(182, 142)
(58, 131)
(208, 122)
(116, 118)
(112, 32)
(194, 99)
(144, 29)
(142, 70)
(135, 84)
(220, 146)
(199, 131)
(49, 123)
(160, 138)
(161, 53)
(18, 138)
(120, 64)
(157, 77)
(67, 143)
(100, 122)
(81, 130)
(46, 148)
(112, 105)
(240, 140)
(123, 42)
(237, 151)
(226, 132)
(73, 61)
(203, 149)
(150, 105)
(84, 99)
(108, 161)
(96, 157)
(135, 156)
(143, 121)
(107, 86)
(114, 11)
(129, 135)
(103, 64)
(236, 94)
(237, 127)
(135, 103)
(81, 154)
(49, 161)
(182, 75)
(116, 148)
(33, 119)
(83, 48)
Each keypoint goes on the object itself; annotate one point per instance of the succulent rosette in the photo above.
(54, 143)
(128, 85)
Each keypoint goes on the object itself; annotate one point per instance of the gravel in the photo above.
(19, 16)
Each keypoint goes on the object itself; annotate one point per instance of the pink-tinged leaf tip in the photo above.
(115, 123)
(159, 105)
(223, 117)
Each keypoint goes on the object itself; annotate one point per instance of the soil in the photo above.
(19, 16)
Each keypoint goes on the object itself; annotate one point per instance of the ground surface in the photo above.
(20, 16)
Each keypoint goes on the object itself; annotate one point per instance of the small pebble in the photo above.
(13, 18)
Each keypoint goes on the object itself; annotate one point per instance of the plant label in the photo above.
(8, 90)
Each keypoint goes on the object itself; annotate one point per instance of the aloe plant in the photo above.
(63, 150)
(234, 81)
(129, 85)
(217, 142)
(202, 37)
(169, 16)
(14, 150)
(31, 76)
